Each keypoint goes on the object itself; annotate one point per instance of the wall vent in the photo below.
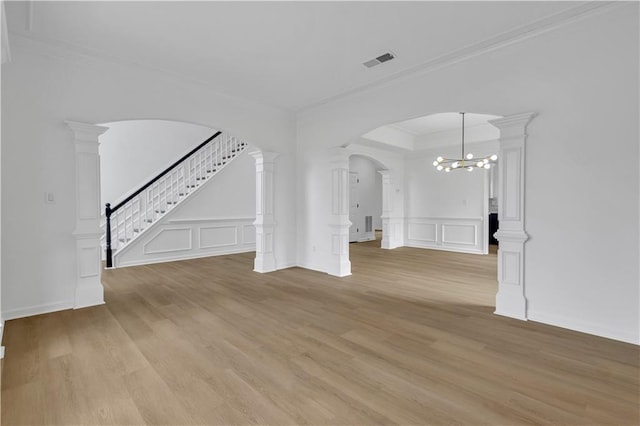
(379, 60)
(368, 224)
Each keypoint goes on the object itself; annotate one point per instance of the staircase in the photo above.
(137, 213)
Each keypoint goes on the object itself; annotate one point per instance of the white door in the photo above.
(354, 208)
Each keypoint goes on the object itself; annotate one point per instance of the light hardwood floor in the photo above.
(409, 338)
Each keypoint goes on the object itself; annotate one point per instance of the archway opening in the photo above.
(176, 191)
(434, 210)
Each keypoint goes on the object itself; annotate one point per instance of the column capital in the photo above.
(513, 125)
(84, 132)
(263, 157)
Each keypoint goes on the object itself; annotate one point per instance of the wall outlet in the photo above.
(49, 198)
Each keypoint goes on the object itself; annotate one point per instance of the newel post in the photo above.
(89, 290)
(265, 221)
(512, 236)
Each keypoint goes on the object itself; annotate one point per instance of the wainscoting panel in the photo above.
(445, 233)
(182, 239)
(218, 236)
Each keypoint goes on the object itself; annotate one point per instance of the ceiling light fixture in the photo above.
(466, 161)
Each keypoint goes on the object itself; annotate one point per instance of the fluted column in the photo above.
(512, 236)
(265, 223)
(339, 223)
(89, 290)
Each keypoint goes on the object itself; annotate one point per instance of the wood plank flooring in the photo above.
(409, 338)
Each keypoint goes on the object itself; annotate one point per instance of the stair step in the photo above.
(211, 171)
(161, 211)
(122, 240)
(172, 202)
(149, 220)
(201, 178)
(182, 194)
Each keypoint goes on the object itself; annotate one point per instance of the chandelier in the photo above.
(465, 161)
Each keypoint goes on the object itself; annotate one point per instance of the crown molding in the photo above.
(517, 35)
(71, 51)
(31, 43)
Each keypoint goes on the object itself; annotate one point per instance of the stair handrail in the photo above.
(161, 174)
(108, 211)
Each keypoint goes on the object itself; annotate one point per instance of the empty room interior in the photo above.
(320, 213)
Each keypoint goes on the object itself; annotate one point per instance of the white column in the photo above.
(265, 223)
(89, 290)
(510, 300)
(391, 225)
(339, 223)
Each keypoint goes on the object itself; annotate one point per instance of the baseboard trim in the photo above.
(455, 250)
(184, 257)
(1, 336)
(285, 265)
(311, 267)
(582, 327)
(30, 311)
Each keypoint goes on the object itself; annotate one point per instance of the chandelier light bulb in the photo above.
(465, 160)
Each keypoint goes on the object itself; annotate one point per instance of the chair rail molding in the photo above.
(512, 236)
(89, 289)
(265, 223)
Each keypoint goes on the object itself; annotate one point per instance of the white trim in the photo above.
(582, 327)
(499, 41)
(439, 241)
(1, 336)
(215, 219)
(37, 310)
(441, 248)
(311, 266)
(168, 250)
(184, 257)
(286, 265)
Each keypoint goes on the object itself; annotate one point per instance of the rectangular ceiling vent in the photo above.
(379, 60)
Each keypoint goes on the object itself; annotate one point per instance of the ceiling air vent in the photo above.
(379, 60)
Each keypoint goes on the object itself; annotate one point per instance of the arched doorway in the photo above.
(510, 298)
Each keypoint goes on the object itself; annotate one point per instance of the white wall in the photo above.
(369, 191)
(42, 87)
(581, 262)
(447, 210)
(133, 152)
(217, 219)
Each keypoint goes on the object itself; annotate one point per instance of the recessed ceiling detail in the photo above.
(379, 60)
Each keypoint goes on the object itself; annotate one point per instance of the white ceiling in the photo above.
(435, 130)
(442, 122)
(286, 54)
